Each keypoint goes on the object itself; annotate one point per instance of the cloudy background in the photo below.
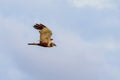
(86, 33)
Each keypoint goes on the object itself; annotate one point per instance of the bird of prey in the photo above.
(45, 36)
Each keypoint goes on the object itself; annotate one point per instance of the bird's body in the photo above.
(45, 36)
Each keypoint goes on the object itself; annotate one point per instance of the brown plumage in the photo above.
(45, 36)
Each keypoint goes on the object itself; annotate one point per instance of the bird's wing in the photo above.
(38, 26)
(45, 35)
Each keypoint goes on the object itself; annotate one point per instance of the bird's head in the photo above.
(52, 44)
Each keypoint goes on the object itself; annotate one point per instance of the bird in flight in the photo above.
(45, 36)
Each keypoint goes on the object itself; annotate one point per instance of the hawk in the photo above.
(45, 36)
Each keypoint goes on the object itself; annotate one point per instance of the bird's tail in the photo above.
(33, 43)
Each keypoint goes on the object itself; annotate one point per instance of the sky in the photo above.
(86, 33)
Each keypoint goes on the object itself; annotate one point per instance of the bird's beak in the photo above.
(54, 44)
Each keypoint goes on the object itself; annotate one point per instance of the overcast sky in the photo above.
(86, 33)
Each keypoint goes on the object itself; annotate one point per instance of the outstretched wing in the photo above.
(45, 35)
